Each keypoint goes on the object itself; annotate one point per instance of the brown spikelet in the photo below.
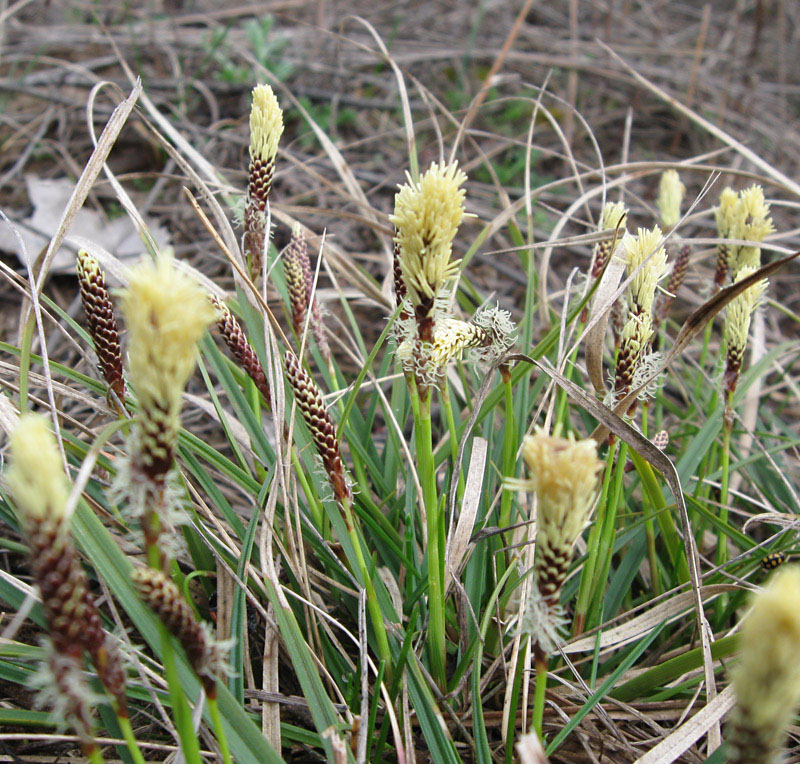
(320, 424)
(297, 270)
(240, 348)
(722, 267)
(255, 225)
(661, 439)
(301, 290)
(551, 565)
(164, 598)
(102, 323)
(72, 617)
(676, 278)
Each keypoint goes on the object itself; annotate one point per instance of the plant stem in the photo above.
(509, 452)
(725, 464)
(421, 408)
(540, 662)
(219, 730)
(130, 739)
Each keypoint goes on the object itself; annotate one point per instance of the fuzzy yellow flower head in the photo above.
(426, 217)
(739, 311)
(725, 214)
(266, 124)
(753, 222)
(563, 474)
(614, 214)
(166, 313)
(36, 477)
(767, 679)
(670, 198)
(642, 289)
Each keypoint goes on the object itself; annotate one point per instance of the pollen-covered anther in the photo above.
(320, 425)
(612, 217)
(102, 322)
(427, 214)
(670, 198)
(233, 335)
(163, 597)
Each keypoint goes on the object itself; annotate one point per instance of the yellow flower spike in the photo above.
(166, 313)
(614, 214)
(451, 336)
(642, 289)
(563, 474)
(266, 124)
(767, 679)
(738, 313)
(426, 216)
(670, 198)
(36, 476)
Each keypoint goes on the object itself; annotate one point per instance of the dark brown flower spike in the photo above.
(102, 323)
(320, 425)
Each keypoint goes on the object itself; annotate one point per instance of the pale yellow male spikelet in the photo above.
(266, 124)
(642, 289)
(767, 678)
(36, 477)
(670, 198)
(613, 216)
(166, 313)
(738, 313)
(427, 214)
(752, 223)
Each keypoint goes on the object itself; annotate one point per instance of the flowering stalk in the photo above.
(646, 262)
(40, 491)
(234, 337)
(266, 128)
(767, 679)
(738, 314)
(427, 214)
(323, 432)
(670, 198)
(563, 475)
(102, 323)
(166, 314)
(300, 283)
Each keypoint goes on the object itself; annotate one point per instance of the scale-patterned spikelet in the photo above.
(319, 423)
(40, 490)
(297, 271)
(240, 348)
(102, 323)
(563, 474)
(638, 328)
(452, 336)
(767, 680)
(164, 598)
(737, 326)
(266, 128)
(614, 214)
(166, 314)
(427, 214)
(670, 198)
(679, 268)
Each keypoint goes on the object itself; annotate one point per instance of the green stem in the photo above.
(540, 661)
(421, 408)
(95, 755)
(649, 527)
(180, 707)
(727, 431)
(219, 730)
(130, 739)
